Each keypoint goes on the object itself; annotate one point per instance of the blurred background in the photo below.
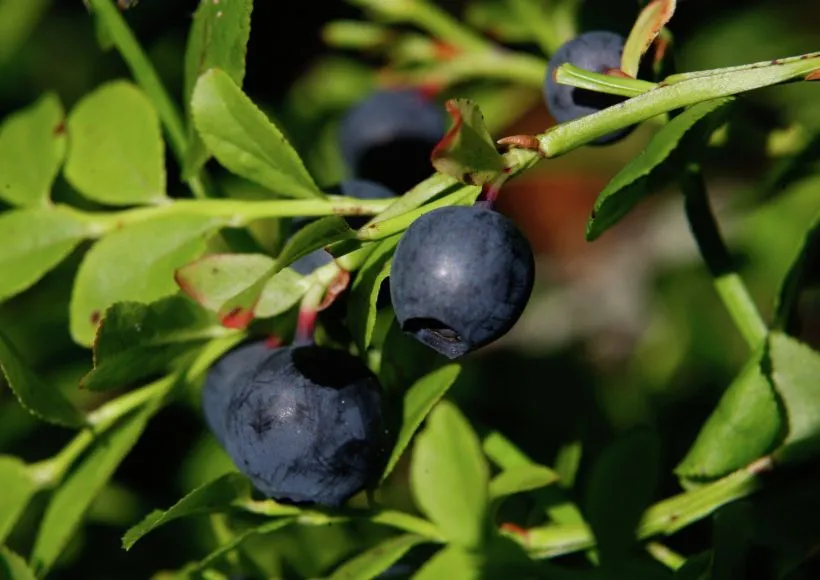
(622, 332)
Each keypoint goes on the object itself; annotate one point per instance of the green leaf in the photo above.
(642, 175)
(318, 234)
(213, 496)
(244, 140)
(419, 400)
(238, 311)
(646, 28)
(795, 372)
(372, 562)
(39, 399)
(136, 263)
(213, 280)
(364, 292)
(116, 154)
(218, 39)
(43, 237)
(521, 479)
(745, 425)
(467, 151)
(18, 488)
(227, 547)
(622, 485)
(13, 567)
(451, 562)
(72, 499)
(135, 340)
(449, 477)
(32, 147)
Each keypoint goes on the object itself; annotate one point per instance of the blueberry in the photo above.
(358, 188)
(460, 279)
(236, 366)
(595, 51)
(389, 136)
(303, 423)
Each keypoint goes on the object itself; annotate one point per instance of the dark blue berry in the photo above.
(304, 423)
(389, 136)
(460, 279)
(596, 51)
(234, 367)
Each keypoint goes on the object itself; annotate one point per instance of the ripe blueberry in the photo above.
(596, 51)
(389, 136)
(460, 279)
(304, 423)
(358, 188)
(234, 367)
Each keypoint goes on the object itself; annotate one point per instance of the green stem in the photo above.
(718, 83)
(664, 518)
(727, 281)
(236, 212)
(147, 77)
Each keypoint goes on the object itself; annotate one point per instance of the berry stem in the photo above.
(308, 313)
(729, 285)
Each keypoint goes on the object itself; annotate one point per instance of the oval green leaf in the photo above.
(745, 425)
(116, 154)
(419, 400)
(632, 183)
(239, 310)
(218, 39)
(32, 147)
(136, 263)
(42, 237)
(449, 477)
(213, 496)
(244, 140)
(18, 488)
(39, 399)
(372, 562)
(135, 340)
(213, 280)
